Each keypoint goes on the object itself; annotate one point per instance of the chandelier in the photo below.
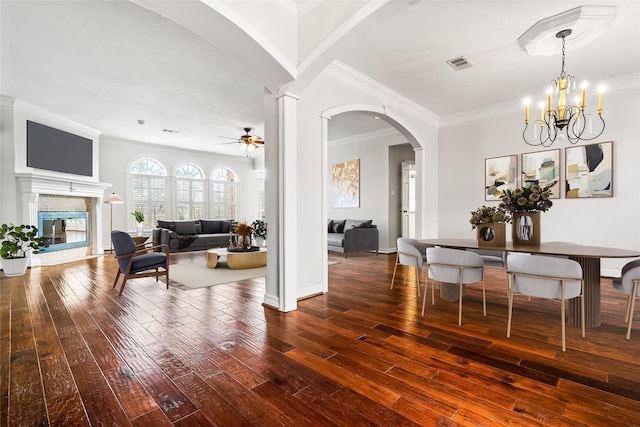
(566, 120)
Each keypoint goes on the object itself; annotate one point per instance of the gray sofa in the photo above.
(193, 235)
(352, 235)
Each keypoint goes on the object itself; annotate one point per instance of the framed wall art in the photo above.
(500, 174)
(589, 171)
(542, 168)
(345, 183)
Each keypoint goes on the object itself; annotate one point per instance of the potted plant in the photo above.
(525, 205)
(490, 222)
(260, 231)
(17, 242)
(139, 216)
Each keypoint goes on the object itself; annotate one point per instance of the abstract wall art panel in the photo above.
(542, 168)
(345, 179)
(500, 174)
(589, 171)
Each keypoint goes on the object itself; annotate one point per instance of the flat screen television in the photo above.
(56, 150)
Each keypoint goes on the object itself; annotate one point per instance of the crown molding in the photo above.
(616, 84)
(363, 82)
(368, 136)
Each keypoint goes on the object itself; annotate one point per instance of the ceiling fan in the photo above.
(249, 142)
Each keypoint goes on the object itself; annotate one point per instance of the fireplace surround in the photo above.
(33, 187)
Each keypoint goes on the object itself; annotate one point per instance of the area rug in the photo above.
(197, 275)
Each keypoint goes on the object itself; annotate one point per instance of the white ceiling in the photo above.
(108, 64)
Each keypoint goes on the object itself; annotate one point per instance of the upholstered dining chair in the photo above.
(545, 277)
(492, 257)
(136, 261)
(454, 266)
(628, 283)
(411, 253)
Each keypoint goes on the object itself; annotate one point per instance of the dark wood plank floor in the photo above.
(74, 353)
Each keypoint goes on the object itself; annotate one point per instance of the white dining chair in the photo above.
(628, 284)
(545, 277)
(457, 267)
(411, 253)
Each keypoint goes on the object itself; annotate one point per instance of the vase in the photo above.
(260, 241)
(491, 235)
(525, 229)
(140, 229)
(15, 266)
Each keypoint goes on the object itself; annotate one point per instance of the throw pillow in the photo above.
(170, 225)
(225, 226)
(186, 227)
(211, 226)
(366, 224)
(198, 227)
(338, 227)
(330, 226)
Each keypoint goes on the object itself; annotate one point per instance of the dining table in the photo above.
(587, 256)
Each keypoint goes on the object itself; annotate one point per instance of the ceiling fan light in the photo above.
(250, 147)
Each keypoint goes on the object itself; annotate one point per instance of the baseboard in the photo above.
(309, 291)
(271, 301)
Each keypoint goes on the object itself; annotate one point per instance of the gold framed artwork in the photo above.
(500, 175)
(542, 168)
(589, 171)
(345, 183)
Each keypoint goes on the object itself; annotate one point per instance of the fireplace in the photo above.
(64, 230)
(68, 213)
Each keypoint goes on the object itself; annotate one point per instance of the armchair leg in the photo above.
(115, 282)
(124, 282)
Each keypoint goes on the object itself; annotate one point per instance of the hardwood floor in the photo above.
(74, 353)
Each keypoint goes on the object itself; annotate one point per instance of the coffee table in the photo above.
(237, 260)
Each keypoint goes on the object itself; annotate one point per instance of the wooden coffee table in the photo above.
(237, 260)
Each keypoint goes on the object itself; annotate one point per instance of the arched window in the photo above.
(224, 189)
(148, 180)
(190, 187)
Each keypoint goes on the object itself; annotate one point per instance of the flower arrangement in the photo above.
(527, 199)
(243, 229)
(260, 228)
(489, 214)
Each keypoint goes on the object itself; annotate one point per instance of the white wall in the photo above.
(609, 221)
(375, 184)
(332, 89)
(116, 156)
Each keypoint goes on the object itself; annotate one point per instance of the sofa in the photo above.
(352, 235)
(193, 235)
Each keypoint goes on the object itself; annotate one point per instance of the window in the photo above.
(224, 188)
(190, 185)
(148, 180)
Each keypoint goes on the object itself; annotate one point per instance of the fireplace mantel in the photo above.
(31, 186)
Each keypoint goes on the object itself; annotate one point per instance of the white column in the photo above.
(281, 168)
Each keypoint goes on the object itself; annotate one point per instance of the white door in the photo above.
(408, 199)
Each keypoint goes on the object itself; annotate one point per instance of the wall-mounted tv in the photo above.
(56, 150)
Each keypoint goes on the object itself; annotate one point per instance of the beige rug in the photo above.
(197, 275)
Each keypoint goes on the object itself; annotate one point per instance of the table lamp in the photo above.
(112, 199)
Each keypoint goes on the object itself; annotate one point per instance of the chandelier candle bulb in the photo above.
(600, 100)
(584, 94)
(542, 114)
(526, 113)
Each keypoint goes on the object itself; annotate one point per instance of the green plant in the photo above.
(527, 199)
(139, 216)
(260, 228)
(489, 214)
(18, 240)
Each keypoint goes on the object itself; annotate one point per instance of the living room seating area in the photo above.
(352, 235)
(193, 235)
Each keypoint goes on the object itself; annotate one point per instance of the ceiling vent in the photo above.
(170, 131)
(459, 63)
